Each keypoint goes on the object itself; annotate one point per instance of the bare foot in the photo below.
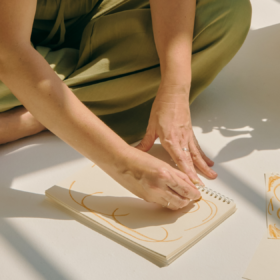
(18, 123)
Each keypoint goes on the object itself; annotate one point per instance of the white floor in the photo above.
(236, 121)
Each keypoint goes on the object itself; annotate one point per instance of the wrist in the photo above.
(176, 79)
(125, 159)
(173, 92)
(176, 72)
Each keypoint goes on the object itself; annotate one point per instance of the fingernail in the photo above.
(199, 184)
(198, 199)
(213, 173)
(195, 181)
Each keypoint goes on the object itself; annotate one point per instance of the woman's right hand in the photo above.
(156, 181)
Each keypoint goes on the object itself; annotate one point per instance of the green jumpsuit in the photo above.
(104, 51)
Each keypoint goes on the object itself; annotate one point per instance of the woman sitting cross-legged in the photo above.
(102, 74)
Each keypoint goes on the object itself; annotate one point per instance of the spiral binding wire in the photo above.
(215, 194)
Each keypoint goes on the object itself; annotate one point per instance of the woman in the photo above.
(132, 63)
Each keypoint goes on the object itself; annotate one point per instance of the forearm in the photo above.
(173, 23)
(50, 101)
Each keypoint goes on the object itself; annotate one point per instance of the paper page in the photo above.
(97, 196)
(273, 205)
(265, 264)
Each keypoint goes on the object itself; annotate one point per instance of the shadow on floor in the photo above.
(244, 99)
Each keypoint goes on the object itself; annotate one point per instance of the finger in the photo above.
(168, 199)
(147, 142)
(184, 177)
(200, 163)
(194, 178)
(182, 188)
(172, 201)
(175, 200)
(167, 204)
(172, 207)
(205, 158)
(182, 159)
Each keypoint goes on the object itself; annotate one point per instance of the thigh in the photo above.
(118, 62)
(220, 29)
(118, 73)
(118, 70)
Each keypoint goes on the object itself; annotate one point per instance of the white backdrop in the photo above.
(236, 121)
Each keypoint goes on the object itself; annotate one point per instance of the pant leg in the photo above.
(117, 73)
(119, 66)
(62, 61)
(221, 27)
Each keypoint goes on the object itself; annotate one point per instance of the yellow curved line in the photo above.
(114, 217)
(193, 210)
(156, 240)
(274, 231)
(86, 196)
(278, 212)
(275, 192)
(210, 212)
(152, 240)
(277, 229)
(271, 231)
(99, 211)
(270, 202)
(216, 208)
(71, 193)
(271, 180)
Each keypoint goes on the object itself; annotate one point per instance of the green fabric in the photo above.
(105, 52)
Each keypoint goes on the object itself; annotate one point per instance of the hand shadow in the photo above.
(244, 99)
(131, 212)
(33, 154)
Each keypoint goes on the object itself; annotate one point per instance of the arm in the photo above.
(35, 84)
(50, 101)
(170, 120)
(173, 23)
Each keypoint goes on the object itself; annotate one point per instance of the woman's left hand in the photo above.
(170, 120)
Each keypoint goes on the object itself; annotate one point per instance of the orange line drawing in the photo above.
(210, 212)
(114, 217)
(135, 234)
(274, 231)
(278, 212)
(166, 232)
(193, 210)
(216, 210)
(275, 192)
(89, 195)
(271, 180)
(270, 203)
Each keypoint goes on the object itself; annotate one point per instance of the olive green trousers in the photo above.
(107, 55)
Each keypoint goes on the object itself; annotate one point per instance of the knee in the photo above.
(223, 19)
(240, 19)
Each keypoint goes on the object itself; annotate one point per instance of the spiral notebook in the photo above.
(156, 233)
